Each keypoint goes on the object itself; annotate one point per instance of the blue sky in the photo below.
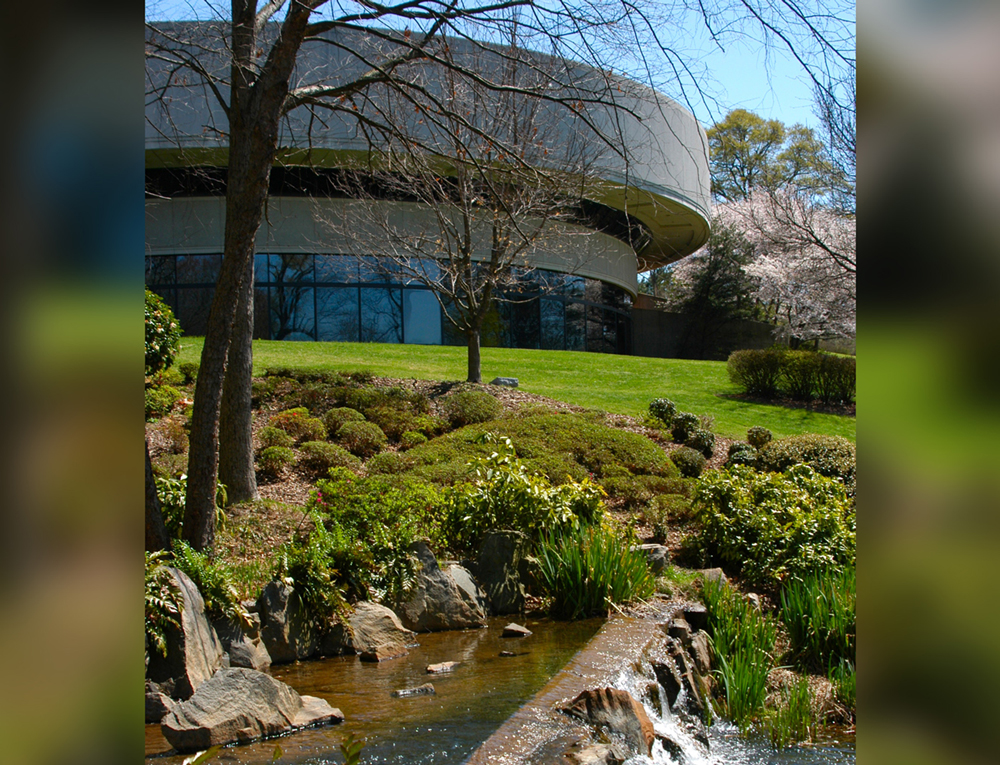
(743, 75)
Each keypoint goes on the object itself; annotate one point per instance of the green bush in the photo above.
(471, 406)
(766, 527)
(758, 437)
(214, 580)
(663, 409)
(429, 425)
(741, 454)
(638, 490)
(588, 569)
(319, 456)
(163, 334)
(273, 460)
(336, 418)
(160, 400)
(743, 641)
(389, 463)
(503, 495)
(701, 440)
(299, 424)
(689, 461)
(163, 602)
(393, 422)
(832, 456)
(818, 610)
(758, 372)
(836, 379)
(268, 436)
(189, 371)
(665, 510)
(362, 438)
(307, 566)
(683, 425)
(799, 371)
(412, 438)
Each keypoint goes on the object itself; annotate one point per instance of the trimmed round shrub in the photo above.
(389, 463)
(392, 421)
(269, 436)
(299, 424)
(273, 460)
(741, 454)
(163, 334)
(363, 439)
(335, 419)
(701, 440)
(689, 461)
(189, 371)
(429, 425)
(320, 456)
(683, 425)
(412, 438)
(836, 378)
(471, 406)
(758, 436)
(758, 372)
(663, 409)
(160, 399)
(831, 456)
(799, 371)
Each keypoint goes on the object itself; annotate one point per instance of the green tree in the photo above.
(747, 152)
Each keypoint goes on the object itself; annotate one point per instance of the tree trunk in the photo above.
(236, 469)
(475, 363)
(156, 531)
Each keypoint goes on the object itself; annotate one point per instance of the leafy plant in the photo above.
(393, 422)
(306, 566)
(683, 425)
(273, 460)
(818, 612)
(163, 601)
(163, 334)
(504, 495)
(588, 569)
(172, 493)
(189, 371)
(758, 437)
(701, 440)
(768, 526)
(319, 456)
(663, 409)
(689, 461)
(214, 580)
(351, 748)
(831, 456)
(362, 438)
(471, 406)
(758, 372)
(160, 400)
(741, 454)
(743, 642)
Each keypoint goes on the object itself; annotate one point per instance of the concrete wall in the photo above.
(659, 334)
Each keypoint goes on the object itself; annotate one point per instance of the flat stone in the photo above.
(508, 382)
(445, 666)
(515, 631)
(384, 652)
(680, 629)
(241, 705)
(427, 689)
(508, 653)
(617, 712)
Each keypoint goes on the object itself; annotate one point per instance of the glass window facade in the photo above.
(305, 296)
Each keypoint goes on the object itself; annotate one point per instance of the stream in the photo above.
(470, 704)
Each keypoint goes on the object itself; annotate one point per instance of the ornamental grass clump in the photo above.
(588, 570)
(743, 640)
(793, 719)
(818, 611)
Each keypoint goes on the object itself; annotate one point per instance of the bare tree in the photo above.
(253, 68)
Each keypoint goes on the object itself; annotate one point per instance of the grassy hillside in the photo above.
(619, 384)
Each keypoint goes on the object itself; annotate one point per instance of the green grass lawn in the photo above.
(619, 384)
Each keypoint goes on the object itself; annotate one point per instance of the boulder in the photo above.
(194, 652)
(507, 382)
(713, 575)
(286, 629)
(680, 629)
(240, 705)
(337, 639)
(497, 570)
(617, 713)
(374, 625)
(158, 702)
(515, 631)
(384, 652)
(242, 643)
(700, 652)
(442, 600)
(657, 556)
(696, 615)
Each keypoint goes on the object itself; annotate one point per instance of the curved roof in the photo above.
(660, 179)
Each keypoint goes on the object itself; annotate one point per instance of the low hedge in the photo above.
(801, 375)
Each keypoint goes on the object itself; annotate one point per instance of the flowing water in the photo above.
(487, 692)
